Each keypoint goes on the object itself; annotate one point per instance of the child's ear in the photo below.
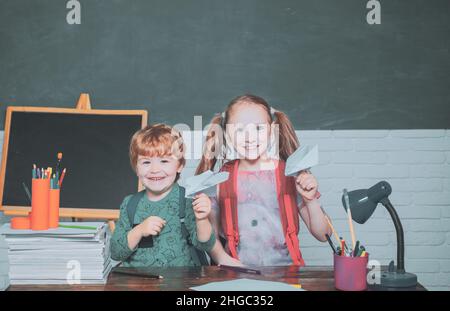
(180, 168)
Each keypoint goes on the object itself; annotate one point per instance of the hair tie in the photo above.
(222, 122)
(272, 112)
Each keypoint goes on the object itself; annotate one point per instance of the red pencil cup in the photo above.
(40, 189)
(53, 209)
(350, 273)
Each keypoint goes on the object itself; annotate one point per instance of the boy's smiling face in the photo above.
(157, 174)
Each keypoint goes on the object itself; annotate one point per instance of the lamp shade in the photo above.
(363, 202)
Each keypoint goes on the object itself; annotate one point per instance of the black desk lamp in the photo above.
(362, 204)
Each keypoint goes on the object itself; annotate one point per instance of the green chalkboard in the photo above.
(318, 60)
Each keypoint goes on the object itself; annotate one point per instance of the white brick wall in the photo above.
(417, 165)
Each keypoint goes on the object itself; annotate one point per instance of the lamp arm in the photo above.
(400, 237)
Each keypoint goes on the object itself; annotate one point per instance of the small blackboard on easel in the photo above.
(94, 144)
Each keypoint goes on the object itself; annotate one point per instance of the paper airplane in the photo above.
(205, 183)
(302, 159)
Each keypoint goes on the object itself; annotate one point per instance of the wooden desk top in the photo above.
(314, 278)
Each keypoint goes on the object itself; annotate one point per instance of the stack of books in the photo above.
(4, 266)
(74, 253)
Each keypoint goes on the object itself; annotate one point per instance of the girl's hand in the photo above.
(201, 206)
(152, 226)
(306, 185)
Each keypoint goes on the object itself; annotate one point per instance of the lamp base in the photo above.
(393, 279)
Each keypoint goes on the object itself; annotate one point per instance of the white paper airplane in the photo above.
(302, 159)
(204, 183)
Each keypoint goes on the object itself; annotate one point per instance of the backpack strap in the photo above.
(132, 205)
(197, 255)
(228, 207)
(289, 213)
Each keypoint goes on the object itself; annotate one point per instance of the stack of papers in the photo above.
(59, 256)
(4, 266)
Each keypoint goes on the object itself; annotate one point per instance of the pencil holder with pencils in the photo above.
(350, 273)
(45, 199)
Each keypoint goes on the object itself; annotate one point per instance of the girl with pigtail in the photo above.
(257, 209)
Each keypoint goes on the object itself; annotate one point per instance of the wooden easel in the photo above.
(84, 102)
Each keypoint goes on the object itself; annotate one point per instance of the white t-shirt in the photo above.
(261, 239)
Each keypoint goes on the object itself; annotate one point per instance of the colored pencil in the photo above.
(59, 156)
(62, 178)
(241, 269)
(332, 229)
(349, 217)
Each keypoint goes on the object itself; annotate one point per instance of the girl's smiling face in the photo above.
(248, 130)
(157, 174)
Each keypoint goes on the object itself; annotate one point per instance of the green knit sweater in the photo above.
(169, 247)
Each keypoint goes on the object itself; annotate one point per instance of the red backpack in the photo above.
(287, 202)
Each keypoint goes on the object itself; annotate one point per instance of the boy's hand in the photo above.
(306, 185)
(201, 206)
(152, 226)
